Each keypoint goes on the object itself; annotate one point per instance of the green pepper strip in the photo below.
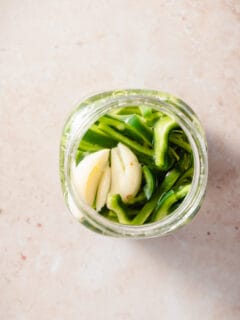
(169, 199)
(115, 204)
(127, 110)
(173, 153)
(113, 121)
(132, 212)
(80, 155)
(132, 125)
(138, 125)
(185, 178)
(130, 143)
(96, 136)
(151, 120)
(86, 146)
(178, 140)
(161, 132)
(168, 181)
(139, 199)
(146, 111)
(111, 215)
(185, 161)
(150, 182)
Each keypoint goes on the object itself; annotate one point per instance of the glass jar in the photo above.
(87, 113)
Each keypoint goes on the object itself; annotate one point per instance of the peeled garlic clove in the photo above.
(126, 174)
(133, 173)
(86, 176)
(117, 171)
(103, 189)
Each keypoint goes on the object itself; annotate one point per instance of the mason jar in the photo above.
(92, 108)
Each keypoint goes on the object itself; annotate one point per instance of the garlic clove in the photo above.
(87, 175)
(126, 173)
(103, 189)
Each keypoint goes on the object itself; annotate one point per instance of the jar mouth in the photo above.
(94, 107)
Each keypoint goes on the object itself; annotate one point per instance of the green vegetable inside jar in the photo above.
(133, 163)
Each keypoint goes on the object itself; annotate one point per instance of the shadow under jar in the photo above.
(86, 114)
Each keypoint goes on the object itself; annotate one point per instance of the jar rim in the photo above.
(99, 104)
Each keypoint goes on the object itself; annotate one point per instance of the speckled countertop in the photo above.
(53, 53)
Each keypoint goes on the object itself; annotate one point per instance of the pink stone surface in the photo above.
(53, 53)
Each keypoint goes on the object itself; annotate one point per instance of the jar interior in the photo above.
(87, 115)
